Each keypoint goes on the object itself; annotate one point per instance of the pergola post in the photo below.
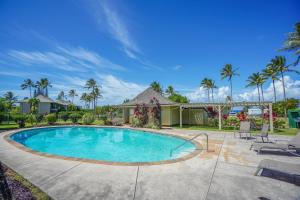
(220, 117)
(180, 116)
(271, 118)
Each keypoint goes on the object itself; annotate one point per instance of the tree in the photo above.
(228, 72)
(28, 83)
(255, 79)
(156, 86)
(34, 102)
(178, 98)
(271, 71)
(72, 94)
(212, 86)
(292, 42)
(61, 95)
(96, 94)
(45, 83)
(84, 99)
(10, 99)
(205, 84)
(92, 84)
(170, 90)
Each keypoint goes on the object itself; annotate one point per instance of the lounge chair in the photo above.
(280, 170)
(292, 146)
(244, 129)
(264, 133)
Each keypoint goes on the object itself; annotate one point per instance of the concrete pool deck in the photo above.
(226, 171)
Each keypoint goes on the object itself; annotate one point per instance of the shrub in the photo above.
(232, 121)
(279, 123)
(63, 116)
(2, 117)
(39, 118)
(136, 122)
(88, 118)
(20, 120)
(51, 118)
(31, 119)
(74, 117)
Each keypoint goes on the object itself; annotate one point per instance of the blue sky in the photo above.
(125, 45)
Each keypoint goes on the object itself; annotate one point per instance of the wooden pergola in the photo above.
(221, 106)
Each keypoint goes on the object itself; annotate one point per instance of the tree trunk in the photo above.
(208, 95)
(30, 92)
(274, 90)
(258, 93)
(231, 89)
(284, 94)
(262, 93)
(212, 95)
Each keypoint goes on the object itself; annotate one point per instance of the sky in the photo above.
(125, 45)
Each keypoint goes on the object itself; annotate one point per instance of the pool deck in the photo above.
(226, 171)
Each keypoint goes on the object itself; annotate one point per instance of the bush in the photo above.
(232, 121)
(39, 118)
(31, 119)
(51, 118)
(136, 122)
(279, 123)
(2, 117)
(20, 120)
(74, 117)
(88, 118)
(63, 116)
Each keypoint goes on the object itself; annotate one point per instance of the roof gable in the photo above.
(146, 96)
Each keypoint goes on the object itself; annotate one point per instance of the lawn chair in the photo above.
(244, 129)
(292, 146)
(264, 133)
(280, 170)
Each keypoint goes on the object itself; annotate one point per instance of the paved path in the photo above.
(225, 172)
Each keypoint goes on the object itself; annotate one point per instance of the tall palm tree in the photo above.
(292, 43)
(45, 83)
(72, 94)
(205, 83)
(170, 90)
(212, 86)
(96, 94)
(156, 86)
(92, 84)
(84, 98)
(228, 72)
(262, 82)
(28, 83)
(255, 80)
(271, 71)
(61, 95)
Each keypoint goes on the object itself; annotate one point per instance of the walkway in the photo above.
(225, 172)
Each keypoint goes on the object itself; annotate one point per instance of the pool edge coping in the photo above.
(18, 145)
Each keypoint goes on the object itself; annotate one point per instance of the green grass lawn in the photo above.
(13, 125)
(285, 131)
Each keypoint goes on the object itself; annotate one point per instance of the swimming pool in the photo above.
(105, 144)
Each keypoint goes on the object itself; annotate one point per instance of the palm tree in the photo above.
(34, 102)
(84, 98)
(271, 71)
(262, 82)
(92, 84)
(28, 83)
(212, 86)
(170, 90)
(255, 80)
(10, 99)
(292, 43)
(61, 95)
(72, 94)
(45, 83)
(205, 84)
(96, 94)
(156, 86)
(228, 72)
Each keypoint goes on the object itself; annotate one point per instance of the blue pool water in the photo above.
(105, 144)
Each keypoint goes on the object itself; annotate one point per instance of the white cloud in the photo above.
(177, 67)
(67, 59)
(292, 90)
(200, 94)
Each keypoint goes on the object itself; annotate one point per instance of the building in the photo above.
(46, 105)
(173, 113)
(170, 111)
